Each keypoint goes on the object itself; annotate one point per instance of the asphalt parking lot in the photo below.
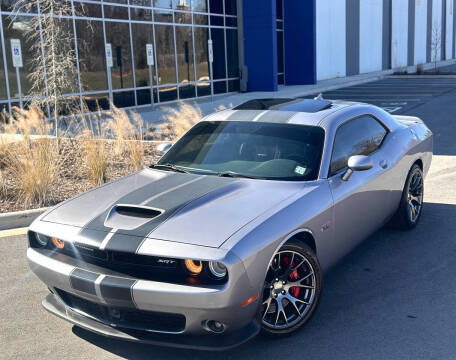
(394, 297)
(396, 94)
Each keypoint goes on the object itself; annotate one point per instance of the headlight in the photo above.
(41, 240)
(217, 269)
(59, 244)
(205, 271)
(194, 267)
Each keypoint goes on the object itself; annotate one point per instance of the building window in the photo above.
(3, 94)
(280, 43)
(16, 5)
(118, 35)
(199, 5)
(201, 53)
(16, 28)
(165, 54)
(232, 56)
(219, 64)
(92, 62)
(178, 31)
(142, 34)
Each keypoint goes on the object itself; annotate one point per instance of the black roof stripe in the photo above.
(286, 104)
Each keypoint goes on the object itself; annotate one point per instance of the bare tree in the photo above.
(436, 41)
(54, 58)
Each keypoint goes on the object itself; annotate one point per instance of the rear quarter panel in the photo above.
(412, 142)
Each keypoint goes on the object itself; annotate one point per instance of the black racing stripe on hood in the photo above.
(117, 291)
(91, 237)
(131, 240)
(136, 197)
(83, 280)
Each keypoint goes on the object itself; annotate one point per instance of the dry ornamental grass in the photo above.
(179, 120)
(36, 169)
(32, 157)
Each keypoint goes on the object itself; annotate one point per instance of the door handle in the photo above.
(383, 164)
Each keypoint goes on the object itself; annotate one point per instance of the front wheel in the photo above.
(291, 290)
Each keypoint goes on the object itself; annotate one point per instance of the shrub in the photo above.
(92, 136)
(35, 159)
(2, 186)
(119, 127)
(179, 120)
(95, 158)
(36, 170)
(136, 143)
(127, 130)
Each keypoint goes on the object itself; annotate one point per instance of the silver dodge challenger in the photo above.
(228, 235)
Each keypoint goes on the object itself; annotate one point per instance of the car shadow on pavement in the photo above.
(394, 296)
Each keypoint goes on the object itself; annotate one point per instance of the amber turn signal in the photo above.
(59, 244)
(194, 266)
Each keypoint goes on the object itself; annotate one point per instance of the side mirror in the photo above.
(164, 147)
(357, 163)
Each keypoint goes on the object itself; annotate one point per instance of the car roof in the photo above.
(283, 110)
(313, 112)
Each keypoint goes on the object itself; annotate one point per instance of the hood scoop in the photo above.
(129, 217)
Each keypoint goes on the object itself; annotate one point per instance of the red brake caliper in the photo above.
(293, 277)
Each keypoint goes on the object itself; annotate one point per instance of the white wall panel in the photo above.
(449, 30)
(399, 36)
(370, 35)
(330, 39)
(420, 31)
(436, 29)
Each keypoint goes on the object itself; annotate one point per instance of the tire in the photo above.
(298, 302)
(405, 218)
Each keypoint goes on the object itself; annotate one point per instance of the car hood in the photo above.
(194, 209)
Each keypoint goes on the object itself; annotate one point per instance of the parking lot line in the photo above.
(377, 95)
(13, 232)
(366, 98)
(384, 85)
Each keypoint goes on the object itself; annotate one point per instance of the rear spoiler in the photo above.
(408, 120)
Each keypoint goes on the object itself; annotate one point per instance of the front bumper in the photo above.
(208, 342)
(197, 304)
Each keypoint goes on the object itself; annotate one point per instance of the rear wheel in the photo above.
(291, 290)
(409, 211)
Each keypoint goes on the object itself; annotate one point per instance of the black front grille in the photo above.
(138, 266)
(125, 318)
(86, 252)
(115, 259)
(142, 260)
(144, 267)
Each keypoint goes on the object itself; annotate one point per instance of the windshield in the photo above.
(249, 149)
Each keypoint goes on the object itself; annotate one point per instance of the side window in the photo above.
(360, 136)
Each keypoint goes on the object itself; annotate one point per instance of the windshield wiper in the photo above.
(169, 166)
(235, 175)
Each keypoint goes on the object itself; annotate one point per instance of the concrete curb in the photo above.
(18, 219)
(425, 76)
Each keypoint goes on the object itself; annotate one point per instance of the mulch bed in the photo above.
(73, 175)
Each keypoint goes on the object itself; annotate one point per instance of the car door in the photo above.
(361, 204)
